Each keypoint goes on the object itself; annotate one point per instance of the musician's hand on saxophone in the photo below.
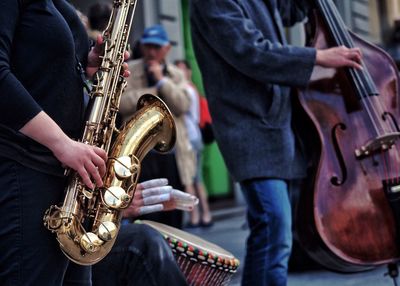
(88, 161)
(94, 59)
(156, 195)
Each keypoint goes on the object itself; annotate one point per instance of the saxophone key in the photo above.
(90, 242)
(107, 230)
(88, 193)
(122, 167)
(116, 197)
(52, 218)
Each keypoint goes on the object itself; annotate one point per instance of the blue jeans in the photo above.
(30, 254)
(270, 240)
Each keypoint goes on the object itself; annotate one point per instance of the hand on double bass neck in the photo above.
(341, 56)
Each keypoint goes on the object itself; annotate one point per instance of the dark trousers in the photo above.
(140, 256)
(30, 254)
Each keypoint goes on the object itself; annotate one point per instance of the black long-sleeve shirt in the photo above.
(39, 47)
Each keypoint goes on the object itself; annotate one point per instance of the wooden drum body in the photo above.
(203, 263)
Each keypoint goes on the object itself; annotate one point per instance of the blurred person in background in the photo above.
(98, 16)
(153, 74)
(201, 215)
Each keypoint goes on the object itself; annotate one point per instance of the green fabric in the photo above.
(215, 174)
(189, 53)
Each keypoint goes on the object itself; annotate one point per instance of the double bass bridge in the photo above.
(378, 144)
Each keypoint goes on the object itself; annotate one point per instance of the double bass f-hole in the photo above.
(335, 180)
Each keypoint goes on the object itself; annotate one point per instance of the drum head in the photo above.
(190, 239)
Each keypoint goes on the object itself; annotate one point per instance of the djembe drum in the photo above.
(203, 263)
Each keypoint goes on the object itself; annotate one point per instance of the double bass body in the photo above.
(344, 219)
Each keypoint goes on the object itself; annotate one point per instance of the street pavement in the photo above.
(229, 232)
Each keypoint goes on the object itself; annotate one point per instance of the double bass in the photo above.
(346, 217)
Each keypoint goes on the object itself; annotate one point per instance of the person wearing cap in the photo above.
(153, 74)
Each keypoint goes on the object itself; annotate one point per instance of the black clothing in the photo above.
(30, 254)
(39, 44)
(39, 47)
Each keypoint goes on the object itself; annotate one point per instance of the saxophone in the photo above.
(88, 221)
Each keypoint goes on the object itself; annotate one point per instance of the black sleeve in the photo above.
(17, 106)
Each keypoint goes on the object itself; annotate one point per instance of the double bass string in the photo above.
(367, 87)
(365, 77)
(362, 80)
(334, 23)
(339, 36)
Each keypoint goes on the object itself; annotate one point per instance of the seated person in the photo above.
(140, 255)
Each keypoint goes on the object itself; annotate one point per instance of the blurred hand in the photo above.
(339, 57)
(156, 69)
(156, 195)
(94, 60)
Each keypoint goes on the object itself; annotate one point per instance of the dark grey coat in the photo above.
(248, 70)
